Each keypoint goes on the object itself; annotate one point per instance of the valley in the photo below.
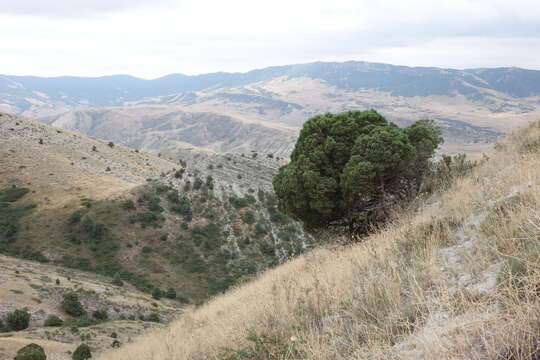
(263, 110)
(176, 228)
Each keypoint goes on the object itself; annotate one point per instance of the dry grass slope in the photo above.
(456, 280)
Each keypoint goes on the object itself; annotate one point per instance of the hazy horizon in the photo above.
(261, 68)
(150, 39)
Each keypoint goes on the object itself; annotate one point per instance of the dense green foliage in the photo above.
(53, 320)
(18, 320)
(31, 352)
(82, 353)
(347, 168)
(72, 305)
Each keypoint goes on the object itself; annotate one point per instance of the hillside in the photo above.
(190, 224)
(457, 279)
(39, 288)
(474, 107)
(159, 128)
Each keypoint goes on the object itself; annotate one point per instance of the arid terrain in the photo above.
(263, 110)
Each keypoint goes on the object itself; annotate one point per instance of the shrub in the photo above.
(183, 299)
(31, 352)
(260, 230)
(128, 205)
(75, 217)
(82, 353)
(170, 294)
(197, 184)
(110, 144)
(157, 294)
(72, 305)
(210, 182)
(146, 249)
(53, 320)
(100, 315)
(249, 217)
(153, 318)
(183, 207)
(179, 173)
(240, 203)
(117, 280)
(18, 320)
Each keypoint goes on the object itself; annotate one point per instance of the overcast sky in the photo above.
(151, 38)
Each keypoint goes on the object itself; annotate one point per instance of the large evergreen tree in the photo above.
(347, 168)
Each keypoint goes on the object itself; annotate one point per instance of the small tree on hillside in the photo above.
(82, 353)
(18, 320)
(31, 352)
(72, 305)
(346, 169)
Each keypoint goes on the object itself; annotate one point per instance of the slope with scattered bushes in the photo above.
(456, 279)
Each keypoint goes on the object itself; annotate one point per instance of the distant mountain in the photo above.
(484, 102)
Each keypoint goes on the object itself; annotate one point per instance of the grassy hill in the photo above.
(185, 228)
(457, 279)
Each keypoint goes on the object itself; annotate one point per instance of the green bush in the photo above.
(170, 294)
(100, 315)
(82, 353)
(117, 280)
(153, 318)
(183, 207)
(146, 249)
(128, 204)
(75, 217)
(260, 230)
(157, 293)
(179, 173)
(145, 218)
(249, 217)
(72, 305)
(210, 182)
(18, 320)
(53, 320)
(239, 203)
(31, 352)
(197, 184)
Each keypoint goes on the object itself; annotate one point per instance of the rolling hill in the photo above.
(474, 107)
(91, 212)
(455, 279)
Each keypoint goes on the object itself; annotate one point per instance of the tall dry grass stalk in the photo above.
(457, 280)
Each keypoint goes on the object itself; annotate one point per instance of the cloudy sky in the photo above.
(151, 38)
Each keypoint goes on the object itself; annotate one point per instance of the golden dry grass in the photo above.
(456, 280)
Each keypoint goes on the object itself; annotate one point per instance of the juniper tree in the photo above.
(346, 169)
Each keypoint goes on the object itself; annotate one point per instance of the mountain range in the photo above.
(474, 107)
